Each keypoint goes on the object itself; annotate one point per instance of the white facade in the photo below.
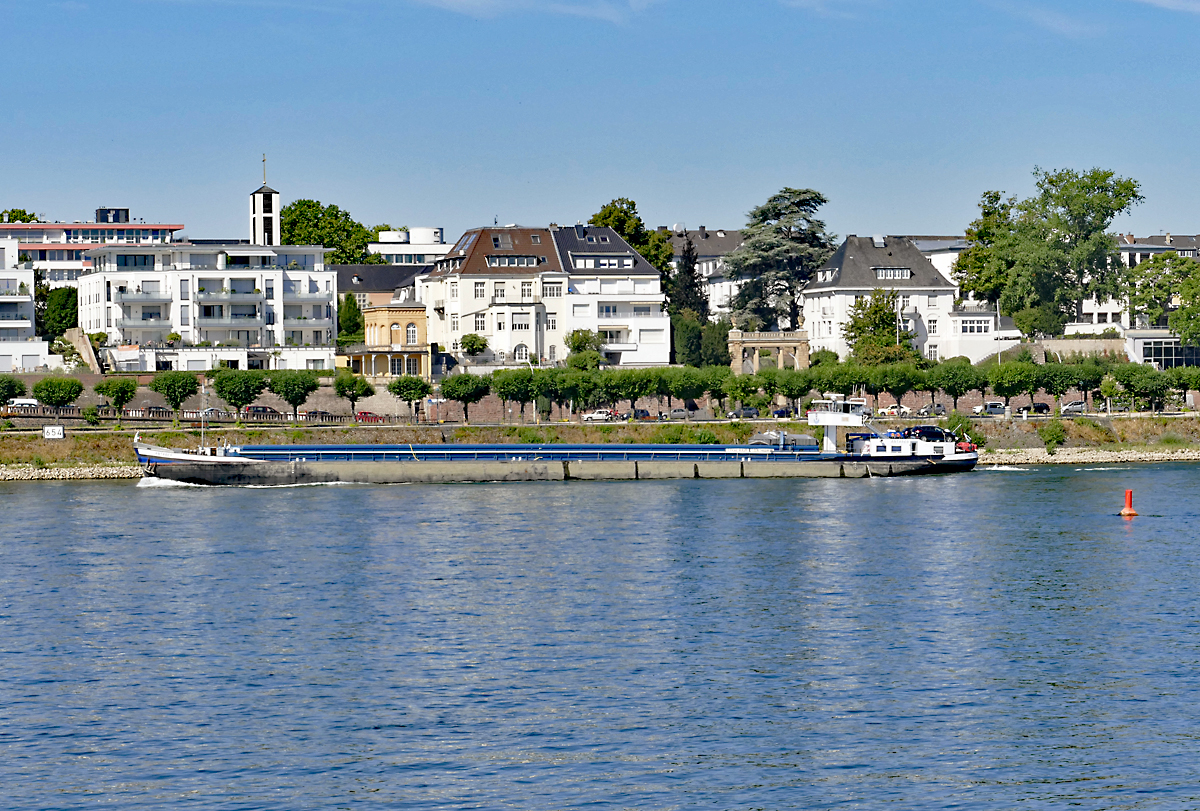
(416, 246)
(20, 350)
(271, 308)
(628, 314)
(264, 217)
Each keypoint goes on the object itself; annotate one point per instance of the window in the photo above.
(579, 310)
(526, 290)
(608, 311)
(480, 322)
(502, 241)
(653, 336)
(396, 366)
(412, 366)
(270, 288)
(893, 273)
(1101, 318)
(931, 352)
(410, 335)
(535, 239)
(551, 321)
(454, 323)
(183, 289)
(904, 302)
(644, 310)
(521, 352)
(135, 261)
(931, 302)
(553, 352)
(498, 291)
(480, 290)
(1085, 318)
(552, 290)
(976, 325)
(610, 336)
(512, 261)
(603, 238)
(520, 321)
(499, 322)
(183, 314)
(933, 326)
(454, 290)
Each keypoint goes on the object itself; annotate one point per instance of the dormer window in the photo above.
(535, 239)
(603, 238)
(893, 273)
(502, 241)
(591, 239)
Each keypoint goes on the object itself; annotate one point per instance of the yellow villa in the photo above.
(395, 342)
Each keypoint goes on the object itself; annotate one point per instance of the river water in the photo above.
(980, 641)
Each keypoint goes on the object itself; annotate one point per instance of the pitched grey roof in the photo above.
(853, 266)
(709, 244)
(1177, 243)
(264, 189)
(375, 278)
(590, 240)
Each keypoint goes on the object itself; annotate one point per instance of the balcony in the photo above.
(296, 295)
(145, 323)
(516, 301)
(233, 298)
(236, 322)
(126, 297)
(16, 295)
(11, 320)
(618, 347)
(308, 323)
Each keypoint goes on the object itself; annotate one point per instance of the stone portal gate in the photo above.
(789, 347)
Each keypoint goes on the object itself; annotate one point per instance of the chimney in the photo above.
(662, 228)
(703, 232)
(1168, 237)
(1129, 239)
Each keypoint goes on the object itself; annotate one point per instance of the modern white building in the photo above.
(524, 289)
(416, 246)
(926, 305)
(20, 349)
(58, 249)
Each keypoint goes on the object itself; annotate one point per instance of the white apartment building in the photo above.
(20, 350)
(711, 249)
(926, 301)
(58, 249)
(524, 289)
(416, 246)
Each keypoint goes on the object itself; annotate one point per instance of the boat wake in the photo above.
(1004, 468)
(154, 481)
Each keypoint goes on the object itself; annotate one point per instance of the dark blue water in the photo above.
(982, 641)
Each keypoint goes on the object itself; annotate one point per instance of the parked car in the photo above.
(782, 413)
(747, 413)
(600, 415)
(679, 414)
(23, 402)
(990, 408)
(641, 414)
(214, 413)
(1036, 408)
(1075, 407)
(369, 416)
(159, 413)
(895, 411)
(935, 410)
(316, 414)
(261, 411)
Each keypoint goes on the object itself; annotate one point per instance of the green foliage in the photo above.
(119, 391)
(740, 388)
(1150, 287)
(687, 383)
(514, 386)
(1010, 379)
(898, 379)
(473, 345)
(714, 344)
(11, 387)
(686, 290)
(583, 340)
(467, 389)
(353, 388)
(962, 427)
(98, 338)
(307, 222)
(871, 328)
(956, 377)
(410, 389)
(585, 361)
(823, 357)
(350, 317)
(1143, 382)
(175, 387)
(57, 391)
(783, 245)
(1185, 321)
(19, 215)
(91, 415)
(689, 335)
(1056, 379)
(293, 386)
(62, 311)
(1054, 434)
(1038, 321)
(239, 387)
(174, 337)
(984, 268)
(795, 384)
(622, 216)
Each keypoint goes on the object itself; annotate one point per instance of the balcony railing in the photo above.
(246, 298)
(518, 300)
(14, 317)
(238, 321)
(311, 323)
(296, 295)
(148, 323)
(15, 292)
(122, 296)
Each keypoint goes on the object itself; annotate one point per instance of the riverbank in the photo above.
(1086, 456)
(24, 473)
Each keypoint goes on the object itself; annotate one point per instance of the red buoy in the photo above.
(1129, 511)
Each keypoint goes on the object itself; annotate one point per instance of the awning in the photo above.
(250, 252)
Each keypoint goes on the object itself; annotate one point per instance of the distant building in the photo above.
(414, 247)
(376, 285)
(711, 249)
(20, 350)
(395, 340)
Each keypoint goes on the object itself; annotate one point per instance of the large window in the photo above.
(1169, 353)
(498, 290)
(552, 290)
(396, 366)
(480, 322)
(608, 311)
(893, 273)
(454, 323)
(453, 290)
(480, 290)
(135, 260)
(521, 352)
(410, 334)
(520, 321)
(512, 261)
(972, 325)
(412, 366)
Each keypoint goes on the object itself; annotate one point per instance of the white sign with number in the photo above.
(53, 432)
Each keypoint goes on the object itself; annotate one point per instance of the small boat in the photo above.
(849, 448)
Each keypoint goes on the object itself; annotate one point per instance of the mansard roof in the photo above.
(856, 263)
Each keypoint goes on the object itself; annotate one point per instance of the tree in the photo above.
(714, 382)
(1010, 379)
(57, 391)
(239, 387)
(350, 317)
(175, 387)
(583, 340)
(823, 356)
(740, 388)
(466, 389)
(783, 245)
(985, 267)
(687, 384)
(514, 386)
(622, 216)
(872, 328)
(307, 222)
(688, 338)
(120, 391)
(898, 379)
(1151, 286)
(795, 384)
(686, 290)
(409, 388)
(11, 388)
(353, 388)
(633, 385)
(714, 344)
(585, 361)
(1056, 379)
(293, 387)
(956, 378)
(1037, 321)
(18, 215)
(62, 311)
(473, 345)
(1143, 382)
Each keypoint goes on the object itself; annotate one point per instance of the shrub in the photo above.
(57, 391)
(10, 388)
(1053, 433)
(961, 425)
(91, 415)
(175, 387)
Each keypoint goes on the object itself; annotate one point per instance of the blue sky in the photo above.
(451, 112)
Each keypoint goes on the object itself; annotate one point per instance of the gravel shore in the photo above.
(17, 473)
(1086, 456)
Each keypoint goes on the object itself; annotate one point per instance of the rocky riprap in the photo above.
(13, 473)
(1086, 456)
